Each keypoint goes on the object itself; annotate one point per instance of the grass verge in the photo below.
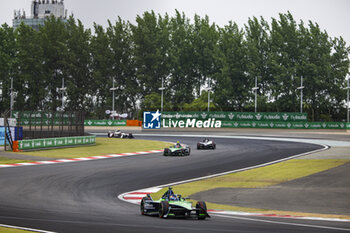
(103, 146)
(11, 230)
(4, 160)
(259, 178)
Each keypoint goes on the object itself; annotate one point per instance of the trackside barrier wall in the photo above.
(133, 123)
(55, 142)
(105, 123)
(237, 116)
(260, 124)
(285, 125)
(248, 120)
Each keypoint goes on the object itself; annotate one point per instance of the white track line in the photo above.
(283, 223)
(25, 229)
(135, 199)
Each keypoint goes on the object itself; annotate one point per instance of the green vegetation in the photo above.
(256, 178)
(187, 54)
(104, 146)
(4, 160)
(11, 230)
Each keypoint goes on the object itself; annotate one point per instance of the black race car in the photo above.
(172, 205)
(206, 144)
(119, 134)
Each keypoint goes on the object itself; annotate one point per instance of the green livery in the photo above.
(173, 205)
(178, 149)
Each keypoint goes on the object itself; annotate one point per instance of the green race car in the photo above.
(172, 205)
(177, 149)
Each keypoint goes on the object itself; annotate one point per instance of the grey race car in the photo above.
(206, 144)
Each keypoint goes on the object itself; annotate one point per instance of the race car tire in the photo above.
(163, 209)
(142, 206)
(110, 135)
(201, 211)
(183, 152)
(198, 146)
(214, 147)
(166, 152)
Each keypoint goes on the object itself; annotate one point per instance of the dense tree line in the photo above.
(188, 56)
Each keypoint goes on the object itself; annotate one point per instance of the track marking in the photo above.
(25, 229)
(282, 223)
(165, 228)
(157, 188)
(79, 159)
(271, 138)
(136, 199)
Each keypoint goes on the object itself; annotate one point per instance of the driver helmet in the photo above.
(173, 197)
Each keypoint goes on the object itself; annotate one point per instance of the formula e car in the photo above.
(172, 205)
(177, 149)
(119, 134)
(206, 144)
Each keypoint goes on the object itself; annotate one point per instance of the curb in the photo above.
(79, 159)
(287, 216)
(25, 229)
(135, 197)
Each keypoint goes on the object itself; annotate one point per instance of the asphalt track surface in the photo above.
(82, 197)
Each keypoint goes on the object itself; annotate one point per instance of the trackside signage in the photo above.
(191, 123)
(284, 125)
(55, 142)
(236, 116)
(105, 122)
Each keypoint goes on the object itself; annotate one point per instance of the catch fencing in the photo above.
(50, 124)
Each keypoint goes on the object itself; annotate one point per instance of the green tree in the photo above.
(182, 80)
(123, 66)
(315, 69)
(31, 87)
(232, 84)
(204, 41)
(53, 37)
(151, 50)
(152, 102)
(102, 75)
(285, 55)
(339, 69)
(200, 104)
(7, 64)
(78, 68)
(258, 44)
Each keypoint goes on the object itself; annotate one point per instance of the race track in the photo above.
(82, 196)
